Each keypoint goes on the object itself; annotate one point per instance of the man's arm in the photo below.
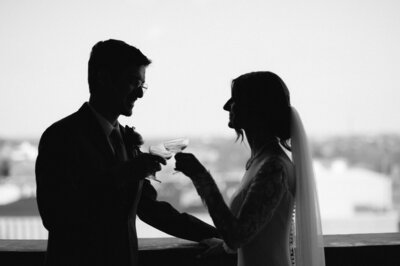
(73, 188)
(57, 196)
(166, 218)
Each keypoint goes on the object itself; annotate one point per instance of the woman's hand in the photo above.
(188, 164)
(214, 247)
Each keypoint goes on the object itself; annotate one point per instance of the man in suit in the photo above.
(90, 172)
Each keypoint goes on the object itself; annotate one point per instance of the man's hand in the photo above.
(147, 164)
(140, 167)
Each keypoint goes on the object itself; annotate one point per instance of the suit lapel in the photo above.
(96, 133)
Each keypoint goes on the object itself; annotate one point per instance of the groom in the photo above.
(90, 172)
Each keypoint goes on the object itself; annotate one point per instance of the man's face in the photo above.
(128, 88)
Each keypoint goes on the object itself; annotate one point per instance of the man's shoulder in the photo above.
(65, 126)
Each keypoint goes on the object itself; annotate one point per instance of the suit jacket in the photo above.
(89, 215)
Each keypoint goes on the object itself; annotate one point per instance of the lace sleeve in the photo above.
(260, 201)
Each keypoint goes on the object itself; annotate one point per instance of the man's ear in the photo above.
(103, 78)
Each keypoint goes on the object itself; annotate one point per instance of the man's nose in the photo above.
(139, 92)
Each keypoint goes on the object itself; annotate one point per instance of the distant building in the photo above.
(354, 200)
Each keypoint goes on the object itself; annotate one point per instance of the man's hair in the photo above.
(113, 56)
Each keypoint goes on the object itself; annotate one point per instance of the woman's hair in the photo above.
(267, 97)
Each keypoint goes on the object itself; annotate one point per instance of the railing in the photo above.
(29, 227)
(363, 250)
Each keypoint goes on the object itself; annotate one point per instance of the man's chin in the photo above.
(126, 112)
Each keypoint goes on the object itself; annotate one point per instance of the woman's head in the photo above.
(260, 102)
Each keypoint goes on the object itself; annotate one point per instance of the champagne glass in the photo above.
(161, 151)
(176, 145)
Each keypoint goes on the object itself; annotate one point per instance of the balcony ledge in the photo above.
(361, 249)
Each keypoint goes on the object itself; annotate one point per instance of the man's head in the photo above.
(116, 75)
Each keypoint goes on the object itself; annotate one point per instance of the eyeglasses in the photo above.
(138, 84)
(144, 87)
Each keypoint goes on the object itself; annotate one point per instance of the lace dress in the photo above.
(258, 222)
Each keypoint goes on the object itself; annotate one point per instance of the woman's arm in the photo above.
(260, 201)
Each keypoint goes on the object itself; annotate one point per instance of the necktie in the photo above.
(118, 145)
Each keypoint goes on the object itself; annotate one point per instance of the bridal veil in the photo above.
(308, 231)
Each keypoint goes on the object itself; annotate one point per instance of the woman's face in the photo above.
(236, 108)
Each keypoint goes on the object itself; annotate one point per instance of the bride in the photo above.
(258, 221)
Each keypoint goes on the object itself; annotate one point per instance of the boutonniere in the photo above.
(133, 138)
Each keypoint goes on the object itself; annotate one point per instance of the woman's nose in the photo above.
(227, 105)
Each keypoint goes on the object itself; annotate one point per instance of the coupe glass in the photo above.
(159, 150)
(176, 145)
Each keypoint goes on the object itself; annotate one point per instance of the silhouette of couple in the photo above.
(91, 175)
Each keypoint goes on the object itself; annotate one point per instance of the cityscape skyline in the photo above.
(370, 164)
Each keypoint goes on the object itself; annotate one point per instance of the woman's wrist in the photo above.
(205, 185)
(201, 175)
(228, 249)
(202, 178)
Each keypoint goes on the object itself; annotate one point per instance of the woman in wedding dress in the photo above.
(257, 223)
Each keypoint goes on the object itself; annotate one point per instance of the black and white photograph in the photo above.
(199, 132)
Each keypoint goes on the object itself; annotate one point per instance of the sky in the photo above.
(340, 60)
